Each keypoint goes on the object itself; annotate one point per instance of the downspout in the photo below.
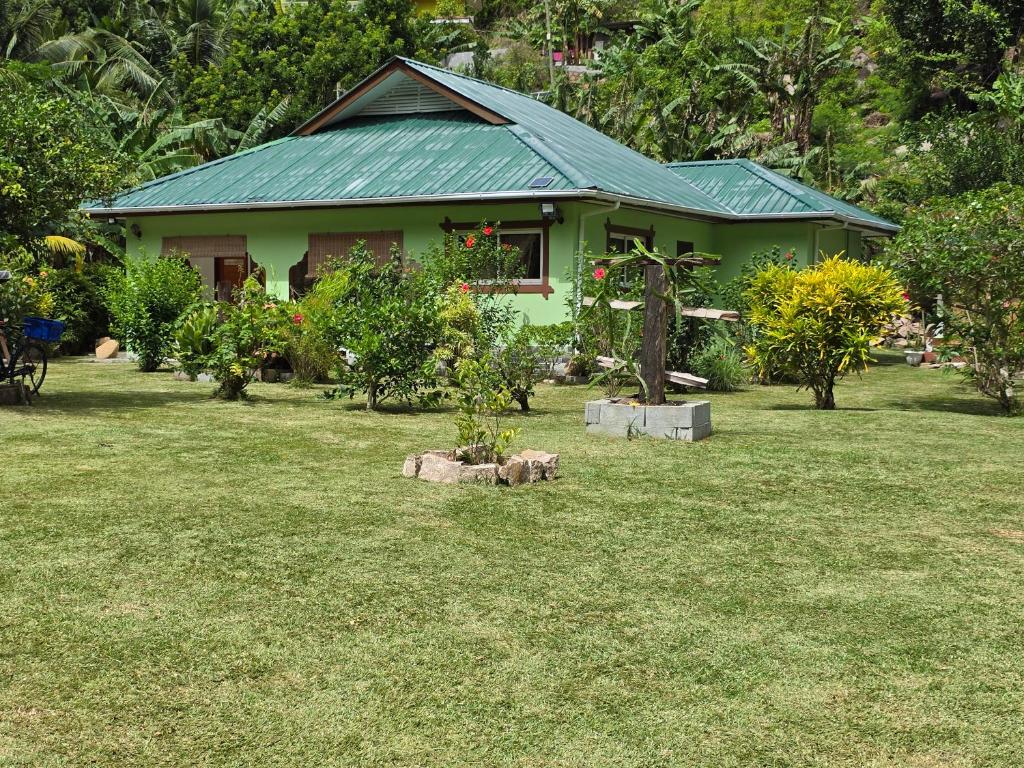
(578, 298)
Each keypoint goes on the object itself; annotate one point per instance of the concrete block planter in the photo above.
(13, 394)
(689, 421)
(445, 467)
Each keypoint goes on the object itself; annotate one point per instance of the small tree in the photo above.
(386, 318)
(145, 302)
(970, 251)
(819, 323)
(252, 328)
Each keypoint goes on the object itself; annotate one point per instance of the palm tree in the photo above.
(24, 26)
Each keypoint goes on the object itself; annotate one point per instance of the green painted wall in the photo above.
(276, 240)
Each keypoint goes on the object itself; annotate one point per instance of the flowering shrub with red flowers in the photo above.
(252, 329)
(475, 257)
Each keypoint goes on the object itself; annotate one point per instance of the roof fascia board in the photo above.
(326, 115)
(491, 197)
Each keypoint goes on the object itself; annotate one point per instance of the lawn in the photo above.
(188, 582)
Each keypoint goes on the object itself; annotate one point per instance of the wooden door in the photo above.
(229, 273)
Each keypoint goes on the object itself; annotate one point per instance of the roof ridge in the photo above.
(551, 156)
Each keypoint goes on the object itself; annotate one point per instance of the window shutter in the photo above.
(323, 245)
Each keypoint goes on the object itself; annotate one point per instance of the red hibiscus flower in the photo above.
(789, 255)
(488, 231)
(464, 287)
(470, 241)
(599, 273)
(297, 318)
(906, 296)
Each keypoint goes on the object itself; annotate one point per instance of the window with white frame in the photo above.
(530, 243)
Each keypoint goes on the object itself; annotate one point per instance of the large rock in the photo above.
(479, 473)
(411, 468)
(107, 348)
(513, 471)
(439, 469)
(546, 462)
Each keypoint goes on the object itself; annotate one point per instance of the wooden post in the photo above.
(652, 354)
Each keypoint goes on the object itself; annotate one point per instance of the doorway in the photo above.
(229, 275)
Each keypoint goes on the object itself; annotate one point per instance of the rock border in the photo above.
(445, 467)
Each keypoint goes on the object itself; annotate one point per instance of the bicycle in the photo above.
(27, 360)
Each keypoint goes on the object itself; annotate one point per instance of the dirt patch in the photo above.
(1004, 533)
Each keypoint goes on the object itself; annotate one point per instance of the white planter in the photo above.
(689, 421)
(914, 356)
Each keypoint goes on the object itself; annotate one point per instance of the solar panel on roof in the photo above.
(541, 181)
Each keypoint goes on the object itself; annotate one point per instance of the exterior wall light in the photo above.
(548, 211)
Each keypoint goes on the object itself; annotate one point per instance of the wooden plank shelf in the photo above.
(705, 313)
(676, 377)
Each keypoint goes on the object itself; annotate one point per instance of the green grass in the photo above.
(188, 582)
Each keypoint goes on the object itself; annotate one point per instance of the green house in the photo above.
(415, 151)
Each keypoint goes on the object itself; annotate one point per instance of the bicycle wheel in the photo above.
(32, 361)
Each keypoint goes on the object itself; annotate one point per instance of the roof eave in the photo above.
(469, 197)
(498, 197)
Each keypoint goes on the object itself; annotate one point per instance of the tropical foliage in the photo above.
(970, 251)
(145, 302)
(818, 324)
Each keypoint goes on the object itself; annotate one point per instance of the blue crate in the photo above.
(41, 329)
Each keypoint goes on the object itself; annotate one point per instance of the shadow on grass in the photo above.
(969, 406)
(99, 400)
(810, 407)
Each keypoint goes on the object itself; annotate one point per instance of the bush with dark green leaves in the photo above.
(721, 363)
(78, 302)
(970, 250)
(145, 302)
(387, 319)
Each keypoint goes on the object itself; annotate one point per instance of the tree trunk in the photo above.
(652, 354)
(523, 399)
(371, 396)
(824, 398)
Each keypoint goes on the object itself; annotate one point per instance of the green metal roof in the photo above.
(751, 190)
(493, 145)
(438, 154)
(591, 159)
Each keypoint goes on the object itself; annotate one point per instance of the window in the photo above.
(623, 240)
(531, 252)
(684, 248)
(532, 240)
(324, 245)
(621, 243)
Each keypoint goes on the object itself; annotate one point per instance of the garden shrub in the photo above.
(194, 342)
(25, 293)
(970, 250)
(387, 318)
(819, 323)
(252, 328)
(721, 363)
(145, 302)
(307, 348)
(78, 302)
(482, 399)
(516, 362)
(551, 342)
